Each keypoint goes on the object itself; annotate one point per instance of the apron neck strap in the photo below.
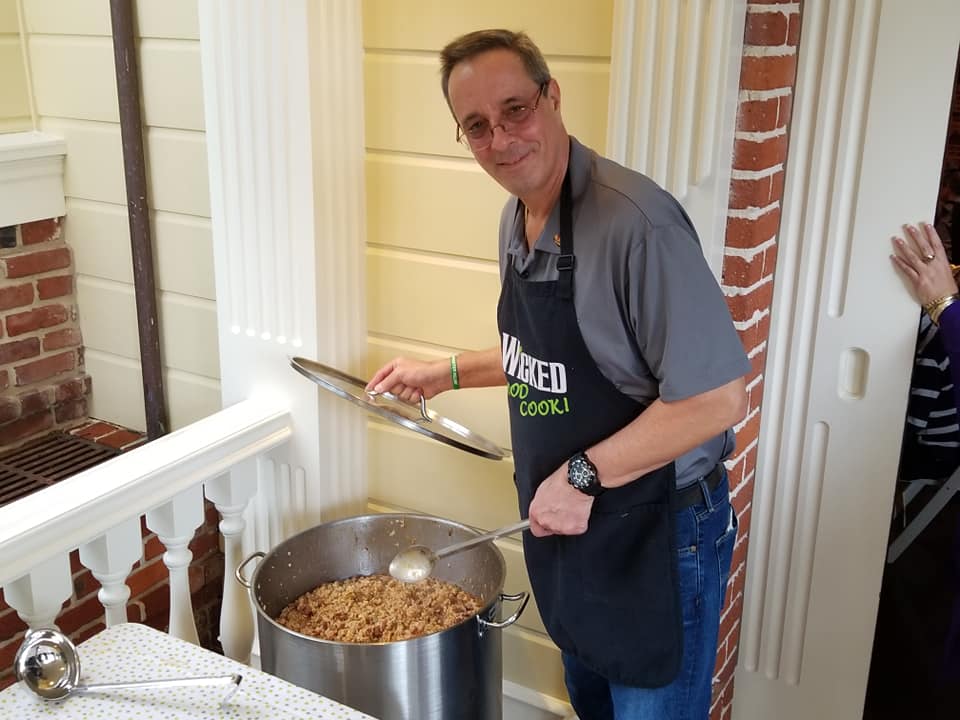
(566, 261)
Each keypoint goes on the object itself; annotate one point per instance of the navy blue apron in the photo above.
(609, 597)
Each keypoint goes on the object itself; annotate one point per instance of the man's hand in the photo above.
(558, 508)
(409, 379)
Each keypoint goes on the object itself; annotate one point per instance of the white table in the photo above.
(138, 652)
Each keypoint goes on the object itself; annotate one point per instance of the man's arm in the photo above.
(409, 379)
(661, 433)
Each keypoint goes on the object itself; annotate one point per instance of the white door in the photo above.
(870, 115)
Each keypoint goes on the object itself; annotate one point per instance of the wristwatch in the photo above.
(582, 474)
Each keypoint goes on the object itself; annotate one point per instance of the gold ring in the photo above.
(928, 257)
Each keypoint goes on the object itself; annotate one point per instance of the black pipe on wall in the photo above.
(138, 212)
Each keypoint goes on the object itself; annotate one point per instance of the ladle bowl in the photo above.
(48, 663)
(416, 562)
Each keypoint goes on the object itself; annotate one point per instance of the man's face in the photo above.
(484, 88)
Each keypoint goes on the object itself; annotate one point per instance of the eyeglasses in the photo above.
(478, 135)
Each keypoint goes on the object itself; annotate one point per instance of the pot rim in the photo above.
(386, 516)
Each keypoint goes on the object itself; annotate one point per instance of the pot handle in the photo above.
(239, 572)
(522, 597)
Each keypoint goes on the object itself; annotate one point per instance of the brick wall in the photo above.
(43, 385)
(767, 76)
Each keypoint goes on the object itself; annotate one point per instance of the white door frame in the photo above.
(869, 123)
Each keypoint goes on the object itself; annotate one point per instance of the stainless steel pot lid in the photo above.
(417, 418)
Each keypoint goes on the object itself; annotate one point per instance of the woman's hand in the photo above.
(922, 260)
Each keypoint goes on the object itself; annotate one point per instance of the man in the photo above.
(625, 375)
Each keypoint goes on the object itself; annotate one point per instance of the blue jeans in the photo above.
(706, 533)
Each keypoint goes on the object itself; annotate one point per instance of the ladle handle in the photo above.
(170, 682)
(486, 537)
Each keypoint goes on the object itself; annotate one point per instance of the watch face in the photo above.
(582, 474)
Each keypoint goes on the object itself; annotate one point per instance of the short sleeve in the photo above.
(679, 315)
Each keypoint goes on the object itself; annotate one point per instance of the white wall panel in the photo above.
(172, 87)
(406, 110)
(177, 171)
(155, 18)
(563, 27)
(73, 77)
(440, 300)
(14, 102)
(93, 168)
(420, 203)
(8, 17)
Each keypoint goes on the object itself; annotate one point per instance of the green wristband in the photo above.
(454, 373)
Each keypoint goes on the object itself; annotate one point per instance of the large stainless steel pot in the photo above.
(453, 674)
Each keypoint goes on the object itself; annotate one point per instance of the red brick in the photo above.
(9, 650)
(756, 334)
(755, 394)
(11, 352)
(768, 72)
(9, 409)
(51, 287)
(756, 192)
(32, 320)
(34, 263)
(72, 389)
(119, 438)
(135, 611)
(4, 380)
(40, 231)
(70, 410)
(16, 296)
(759, 155)
(153, 548)
(85, 583)
(92, 432)
(745, 233)
(765, 28)
(204, 543)
(785, 110)
(749, 432)
(758, 115)
(758, 362)
(742, 307)
(58, 339)
(793, 34)
(7, 679)
(145, 577)
(35, 401)
(10, 623)
(44, 368)
(76, 567)
(84, 612)
(156, 607)
(25, 427)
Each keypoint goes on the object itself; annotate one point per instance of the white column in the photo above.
(38, 595)
(284, 125)
(674, 75)
(175, 523)
(110, 558)
(231, 493)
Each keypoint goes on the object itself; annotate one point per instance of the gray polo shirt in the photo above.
(650, 311)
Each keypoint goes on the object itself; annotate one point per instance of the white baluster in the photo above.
(110, 558)
(175, 523)
(231, 493)
(38, 595)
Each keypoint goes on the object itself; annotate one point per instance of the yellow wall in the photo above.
(432, 256)
(71, 60)
(14, 102)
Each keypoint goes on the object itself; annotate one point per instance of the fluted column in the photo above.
(674, 71)
(284, 125)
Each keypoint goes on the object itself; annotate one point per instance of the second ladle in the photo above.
(417, 561)
(48, 663)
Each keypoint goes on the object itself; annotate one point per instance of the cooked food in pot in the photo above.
(378, 608)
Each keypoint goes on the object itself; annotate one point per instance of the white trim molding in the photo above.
(284, 126)
(31, 177)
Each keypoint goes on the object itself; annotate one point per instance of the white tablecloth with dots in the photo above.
(138, 652)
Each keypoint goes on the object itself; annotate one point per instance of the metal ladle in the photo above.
(48, 663)
(417, 561)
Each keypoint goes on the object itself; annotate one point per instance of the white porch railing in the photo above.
(223, 457)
